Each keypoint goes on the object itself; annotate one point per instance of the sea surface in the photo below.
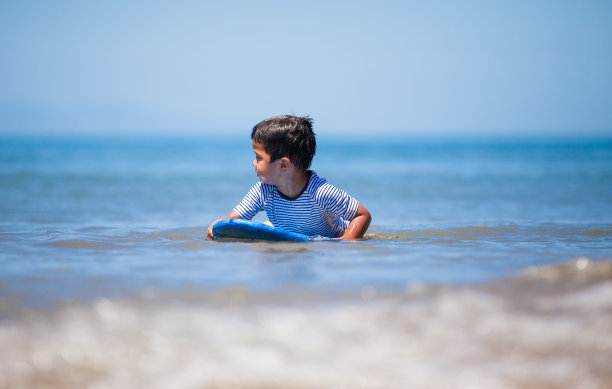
(488, 264)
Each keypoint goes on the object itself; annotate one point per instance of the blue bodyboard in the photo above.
(248, 230)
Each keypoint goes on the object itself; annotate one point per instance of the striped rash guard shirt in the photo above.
(321, 209)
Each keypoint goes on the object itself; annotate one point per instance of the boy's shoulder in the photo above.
(320, 188)
(332, 199)
(315, 182)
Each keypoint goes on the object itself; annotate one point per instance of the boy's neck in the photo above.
(294, 183)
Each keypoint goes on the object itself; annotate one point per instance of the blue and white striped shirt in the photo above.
(321, 208)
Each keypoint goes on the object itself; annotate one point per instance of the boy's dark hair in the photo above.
(287, 136)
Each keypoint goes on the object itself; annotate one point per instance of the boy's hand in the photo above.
(232, 215)
(210, 234)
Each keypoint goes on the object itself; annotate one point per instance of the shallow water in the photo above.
(488, 264)
(545, 328)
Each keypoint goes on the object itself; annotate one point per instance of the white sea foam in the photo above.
(549, 327)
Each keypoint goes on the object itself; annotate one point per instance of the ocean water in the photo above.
(488, 264)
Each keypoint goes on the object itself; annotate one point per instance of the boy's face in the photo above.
(268, 173)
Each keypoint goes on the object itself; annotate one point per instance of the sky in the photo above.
(379, 67)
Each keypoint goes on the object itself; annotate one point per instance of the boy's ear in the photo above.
(285, 163)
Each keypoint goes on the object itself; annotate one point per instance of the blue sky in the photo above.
(397, 67)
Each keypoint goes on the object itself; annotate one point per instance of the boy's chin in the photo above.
(264, 181)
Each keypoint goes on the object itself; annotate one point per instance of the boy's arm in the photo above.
(232, 215)
(359, 225)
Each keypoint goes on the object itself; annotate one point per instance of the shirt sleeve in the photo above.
(252, 203)
(336, 201)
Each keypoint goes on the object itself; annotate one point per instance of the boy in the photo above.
(295, 198)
